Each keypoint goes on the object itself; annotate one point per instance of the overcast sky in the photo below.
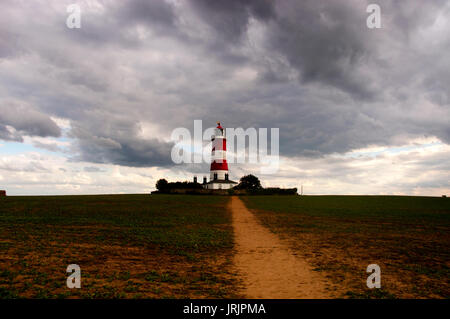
(91, 110)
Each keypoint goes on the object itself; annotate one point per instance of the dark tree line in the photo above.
(163, 185)
(250, 184)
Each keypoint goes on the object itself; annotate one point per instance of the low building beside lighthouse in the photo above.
(219, 176)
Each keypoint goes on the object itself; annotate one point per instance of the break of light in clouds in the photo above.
(91, 110)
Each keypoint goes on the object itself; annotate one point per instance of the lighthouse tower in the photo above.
(219, 167)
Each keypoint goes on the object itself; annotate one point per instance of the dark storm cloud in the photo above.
(230, 18)
(128, 152)
(116, 26)
(7, 134)
(324, 41)
(116, 140)
(156, 14)
(328, 43)
(329, 83)
(8, 43)
(409, 16)
(23, 120)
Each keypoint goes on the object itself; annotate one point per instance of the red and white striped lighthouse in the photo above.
(219, 166)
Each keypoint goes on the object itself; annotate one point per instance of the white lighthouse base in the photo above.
(219, 184)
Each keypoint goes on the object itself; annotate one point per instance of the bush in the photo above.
(249, 182)
(161, 185)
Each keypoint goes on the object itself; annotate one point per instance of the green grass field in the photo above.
(409, 237)
(178, 246)
(130, 246)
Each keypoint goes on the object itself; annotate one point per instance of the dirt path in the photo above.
(268, 268)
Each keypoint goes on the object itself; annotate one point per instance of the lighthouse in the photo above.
(219, 178)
